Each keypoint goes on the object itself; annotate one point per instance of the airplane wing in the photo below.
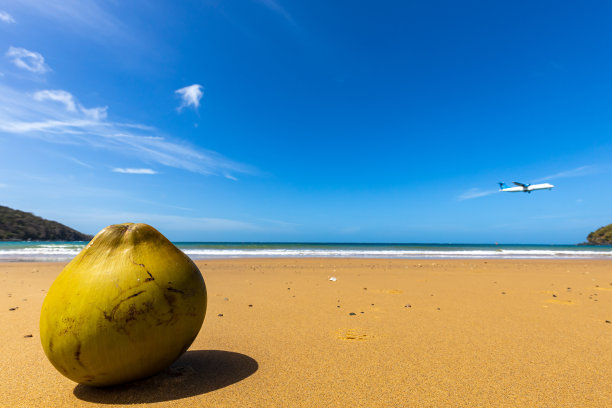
(520, 184)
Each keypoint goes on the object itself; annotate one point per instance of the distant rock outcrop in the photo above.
(603, 236)
(17, 225)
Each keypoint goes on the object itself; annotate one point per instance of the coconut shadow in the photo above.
(196, 372)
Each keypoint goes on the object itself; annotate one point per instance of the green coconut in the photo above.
(125, 308)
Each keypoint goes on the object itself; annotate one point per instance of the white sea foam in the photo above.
(63, 252)
(381, 253)
(41, 253)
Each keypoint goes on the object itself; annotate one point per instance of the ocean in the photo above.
(65, 251)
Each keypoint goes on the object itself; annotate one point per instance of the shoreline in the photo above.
(342, 259)
(198, 251)
(423, 332)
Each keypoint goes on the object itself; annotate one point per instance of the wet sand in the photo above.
(386, 333)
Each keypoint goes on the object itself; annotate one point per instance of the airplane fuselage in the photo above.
(528, 188)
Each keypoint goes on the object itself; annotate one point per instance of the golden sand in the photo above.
(386, 333)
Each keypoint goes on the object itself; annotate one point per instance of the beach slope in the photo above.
(418, 333)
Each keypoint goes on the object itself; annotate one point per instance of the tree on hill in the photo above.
(17, 225)
(603, 236)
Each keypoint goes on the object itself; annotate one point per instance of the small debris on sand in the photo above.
(220, 315)
(27, 335)
(352, 314)
(14, 308)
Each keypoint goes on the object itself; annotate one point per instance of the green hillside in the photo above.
(17, 225)
(603, 236)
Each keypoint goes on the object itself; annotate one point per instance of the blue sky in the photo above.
(333, 121)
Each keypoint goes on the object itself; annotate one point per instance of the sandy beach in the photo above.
(385, 333)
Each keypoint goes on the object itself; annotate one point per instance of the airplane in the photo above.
(525, 188)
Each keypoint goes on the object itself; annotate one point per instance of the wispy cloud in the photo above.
(63, 97)
(577, 172)
(162, 222)
(53, 119)
(134, 171)
(68, 100)
(6, 17)
(475, 193)
(79, 162)
(98, 113)
(28, 60)
(277, 8)
(190, 96)
(87, 17)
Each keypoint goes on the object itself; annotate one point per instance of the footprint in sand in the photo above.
(353, 334)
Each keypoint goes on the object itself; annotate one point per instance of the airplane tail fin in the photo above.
(502, 185)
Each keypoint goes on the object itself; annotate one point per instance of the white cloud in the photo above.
(80, 163)
(475, 193)
(53, 122)
(190, 96)
(28, 60)
(98, 113)
(207, 223)
(277, 8)
(6, 17)
(68, 100)
(163, 222)
(134, 171)
(51, 126)
(59, 96)
(83, 17)
(577, 172)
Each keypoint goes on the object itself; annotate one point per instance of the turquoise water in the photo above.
(65, 251)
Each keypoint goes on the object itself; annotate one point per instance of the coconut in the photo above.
(126, 307)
